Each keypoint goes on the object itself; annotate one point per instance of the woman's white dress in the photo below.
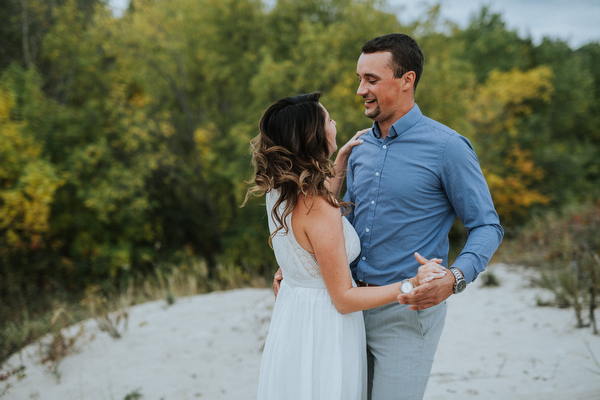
(312, 351)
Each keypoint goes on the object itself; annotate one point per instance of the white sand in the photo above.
(497, 344)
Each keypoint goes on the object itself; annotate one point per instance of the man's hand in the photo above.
(277, 282)
(430, 293)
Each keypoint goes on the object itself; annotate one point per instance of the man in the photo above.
(408, 181)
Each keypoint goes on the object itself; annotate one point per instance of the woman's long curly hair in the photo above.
(291, 154)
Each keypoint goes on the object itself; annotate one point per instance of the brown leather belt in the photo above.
(362, 284)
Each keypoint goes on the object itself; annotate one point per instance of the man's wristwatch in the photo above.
(406, 286)
(460, 284)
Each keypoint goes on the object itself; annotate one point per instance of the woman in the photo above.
(315, 348)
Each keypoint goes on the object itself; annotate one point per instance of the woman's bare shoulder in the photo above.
(316, 209)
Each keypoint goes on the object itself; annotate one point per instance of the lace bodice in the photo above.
(298, 265)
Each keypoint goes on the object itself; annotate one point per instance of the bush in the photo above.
(565, 247)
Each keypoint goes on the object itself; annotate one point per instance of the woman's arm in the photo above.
(324, 230)
(341, 162)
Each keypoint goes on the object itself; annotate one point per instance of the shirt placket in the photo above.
(374, 199)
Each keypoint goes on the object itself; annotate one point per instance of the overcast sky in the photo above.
(575, 21)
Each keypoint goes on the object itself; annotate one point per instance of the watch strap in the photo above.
(459, 284)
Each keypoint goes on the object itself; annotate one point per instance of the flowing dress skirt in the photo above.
(312, 351)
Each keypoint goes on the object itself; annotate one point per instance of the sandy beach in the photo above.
(497, 344)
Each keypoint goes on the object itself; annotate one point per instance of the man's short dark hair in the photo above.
(406, 53)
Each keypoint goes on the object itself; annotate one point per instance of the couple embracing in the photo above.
(362, 287)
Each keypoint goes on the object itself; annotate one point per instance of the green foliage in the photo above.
(27, 182)
(489, 45)
(498, 111)
(125, 141)
(564, 136)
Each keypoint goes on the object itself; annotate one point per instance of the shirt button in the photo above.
(364, 258)
(376, 173)
(372, 201)
(384, 147)
(367, 229)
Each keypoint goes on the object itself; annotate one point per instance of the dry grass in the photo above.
(57, 334)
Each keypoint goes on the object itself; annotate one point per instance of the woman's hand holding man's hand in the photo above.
(429, 269)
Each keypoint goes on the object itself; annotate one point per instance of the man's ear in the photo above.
(408, 80)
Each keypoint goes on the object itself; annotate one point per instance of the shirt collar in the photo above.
(403, 124)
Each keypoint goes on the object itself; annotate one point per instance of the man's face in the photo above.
(378, 87)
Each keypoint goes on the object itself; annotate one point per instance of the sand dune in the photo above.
(497, 344)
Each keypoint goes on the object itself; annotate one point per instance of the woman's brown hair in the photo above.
(291, 155)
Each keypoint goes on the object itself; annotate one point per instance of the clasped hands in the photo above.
(433, 285)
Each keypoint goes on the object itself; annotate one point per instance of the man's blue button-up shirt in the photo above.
(407, 190)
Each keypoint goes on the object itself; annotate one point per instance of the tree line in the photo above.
(124, 142)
